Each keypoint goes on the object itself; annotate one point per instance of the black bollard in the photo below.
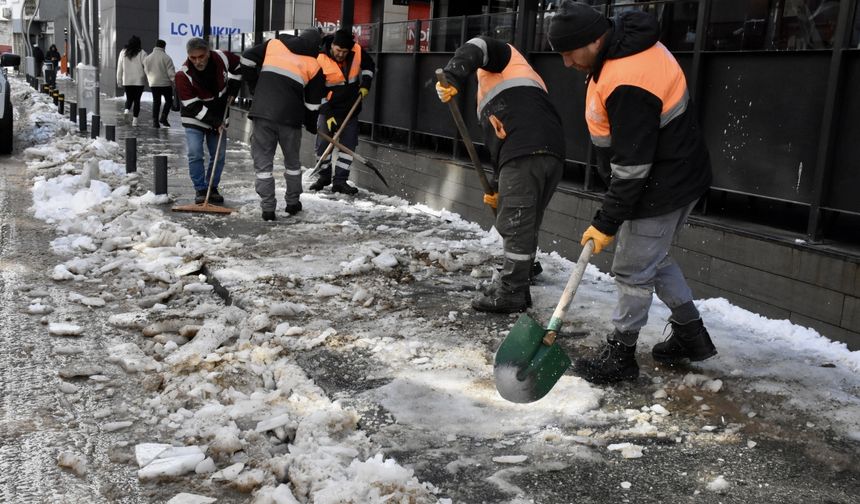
(160, 174)
(82, 120)
(61, 104)
(56, 96)
(97, 126)
(110, 132)
(73, 111)
(130, 154)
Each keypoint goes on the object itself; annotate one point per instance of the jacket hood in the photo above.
(634, 32)
(631, 32)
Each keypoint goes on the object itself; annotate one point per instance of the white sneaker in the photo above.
(134, 122)
(125, 112)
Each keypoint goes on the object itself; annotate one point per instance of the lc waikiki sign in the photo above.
(180, 20)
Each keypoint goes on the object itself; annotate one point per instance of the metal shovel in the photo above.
(529, 362)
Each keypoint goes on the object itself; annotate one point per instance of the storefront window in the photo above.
(772, 24)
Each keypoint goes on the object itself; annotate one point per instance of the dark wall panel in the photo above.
(567, 92)
(762, 116)
(846, 163)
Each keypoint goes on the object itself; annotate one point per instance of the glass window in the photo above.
(772, 25)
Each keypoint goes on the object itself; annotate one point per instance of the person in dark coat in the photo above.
(652, 155)
(523, 132)
(288, 85)
(52, 57)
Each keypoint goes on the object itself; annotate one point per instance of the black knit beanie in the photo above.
(575, 25)
(344, 38)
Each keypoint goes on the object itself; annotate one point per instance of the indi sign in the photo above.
(180, 20)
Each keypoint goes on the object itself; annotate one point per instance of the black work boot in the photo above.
(616, 362)
(215, 196)
(319, 184)
(199, 196)
(269, 215)
(343, 188)
(686, 341)
(293, 208)
(501, 299)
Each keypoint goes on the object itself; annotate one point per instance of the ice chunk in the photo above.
(60, 329)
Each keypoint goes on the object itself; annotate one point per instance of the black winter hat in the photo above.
(575, 25)
(344, 38)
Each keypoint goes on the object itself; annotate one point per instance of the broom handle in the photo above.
(217, 150)
(569, 291)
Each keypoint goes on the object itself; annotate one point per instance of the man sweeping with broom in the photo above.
(206, 84)
(523, 133)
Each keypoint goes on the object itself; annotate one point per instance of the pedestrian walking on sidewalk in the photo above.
(653, 157)
(288, 84)
(131, 76)
(523, 133)
(160, 73)
(348, 73)
(206, 84)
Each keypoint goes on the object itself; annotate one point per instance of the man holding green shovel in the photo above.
(652, 153)
(523, 133)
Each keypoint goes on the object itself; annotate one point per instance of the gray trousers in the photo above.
(265, 138)
(642, 265)
(526, 185)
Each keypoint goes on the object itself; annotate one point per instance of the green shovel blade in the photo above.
(525, 369)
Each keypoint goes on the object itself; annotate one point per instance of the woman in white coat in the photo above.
(131, 75)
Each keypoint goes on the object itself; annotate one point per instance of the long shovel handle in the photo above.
(217, 150)
(569, 291)
(467, 139)
(337, 134)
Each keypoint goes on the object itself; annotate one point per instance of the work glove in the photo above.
(601, 240)
(363, 92)
(492, 199)
(331, 124)
(445, 92)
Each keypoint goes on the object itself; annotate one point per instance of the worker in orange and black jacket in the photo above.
(523, 133)
(348, 70)
(653, 156)
(288, 85)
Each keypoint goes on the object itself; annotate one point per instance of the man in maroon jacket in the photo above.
(206, 84)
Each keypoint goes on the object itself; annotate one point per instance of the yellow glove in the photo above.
(492, 199)
(363, 92)
(331, 124)
(601, 240)
(445, 92)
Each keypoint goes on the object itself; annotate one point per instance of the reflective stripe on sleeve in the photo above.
(630, 172)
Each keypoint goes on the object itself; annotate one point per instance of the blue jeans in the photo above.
(195, 138)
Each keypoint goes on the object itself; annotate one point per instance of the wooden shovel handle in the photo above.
(467, 139)
(569, 291)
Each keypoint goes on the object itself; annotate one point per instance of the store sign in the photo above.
(181, 20)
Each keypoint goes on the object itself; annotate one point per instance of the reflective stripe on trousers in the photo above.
(642, 265)
(343, 163)
(526, 185)
(265, 138)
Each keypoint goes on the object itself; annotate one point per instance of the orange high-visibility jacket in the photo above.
(512, 101)
(640, 119)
